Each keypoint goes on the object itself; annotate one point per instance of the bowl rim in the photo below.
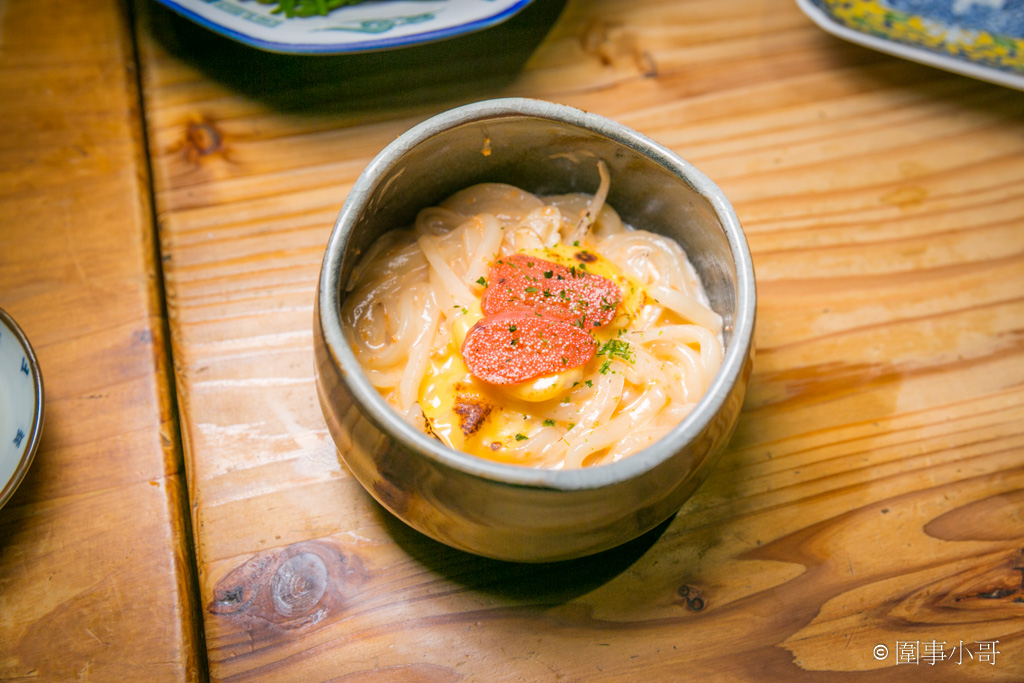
(8, 488)
(373, 406)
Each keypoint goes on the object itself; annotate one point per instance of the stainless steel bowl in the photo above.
(506, 511)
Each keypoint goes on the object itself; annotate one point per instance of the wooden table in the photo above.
(873, 494)
(96, 574)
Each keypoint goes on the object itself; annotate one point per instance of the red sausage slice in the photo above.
(527, 283)
(514, 346)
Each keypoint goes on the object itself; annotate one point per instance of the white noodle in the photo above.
(435, 220)
(687, 307)
(455, 288)
(632, 416)
(419, 355)
(488, 247)
(590, 215)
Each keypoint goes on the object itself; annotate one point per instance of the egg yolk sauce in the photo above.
(545, 316)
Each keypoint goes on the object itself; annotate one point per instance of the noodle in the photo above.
(594, 207)
(416, 295)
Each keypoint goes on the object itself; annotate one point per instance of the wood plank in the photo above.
(872, 493)
(95, 568)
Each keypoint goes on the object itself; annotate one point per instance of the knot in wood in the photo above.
(235, 594)
(202, 139)
(692, 597)
(298, 585)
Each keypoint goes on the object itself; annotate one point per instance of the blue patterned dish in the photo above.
(21, 406)
(367, 26)
(983, 39)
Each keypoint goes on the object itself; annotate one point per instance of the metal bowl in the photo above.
(506, 511)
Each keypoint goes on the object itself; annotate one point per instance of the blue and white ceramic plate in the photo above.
(21, 406)
(983, 39)
(363, 27)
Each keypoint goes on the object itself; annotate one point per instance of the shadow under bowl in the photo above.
(495, 509)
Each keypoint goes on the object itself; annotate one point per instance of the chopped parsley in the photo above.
(589, 383)
(531, 290)
(617, 348)
(482, 281)
(521, 437)
(549, 423)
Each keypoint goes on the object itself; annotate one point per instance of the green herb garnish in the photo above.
(307, 8)
(617, 348)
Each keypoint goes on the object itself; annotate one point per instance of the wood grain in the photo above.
(95, 573)
(872, 493)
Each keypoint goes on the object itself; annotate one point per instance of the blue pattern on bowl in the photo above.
(979, 38)
(357, 28)
(1001, 17)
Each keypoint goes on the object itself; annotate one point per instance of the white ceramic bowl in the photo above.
(495, 509)
(363, 27)
(21, 406)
